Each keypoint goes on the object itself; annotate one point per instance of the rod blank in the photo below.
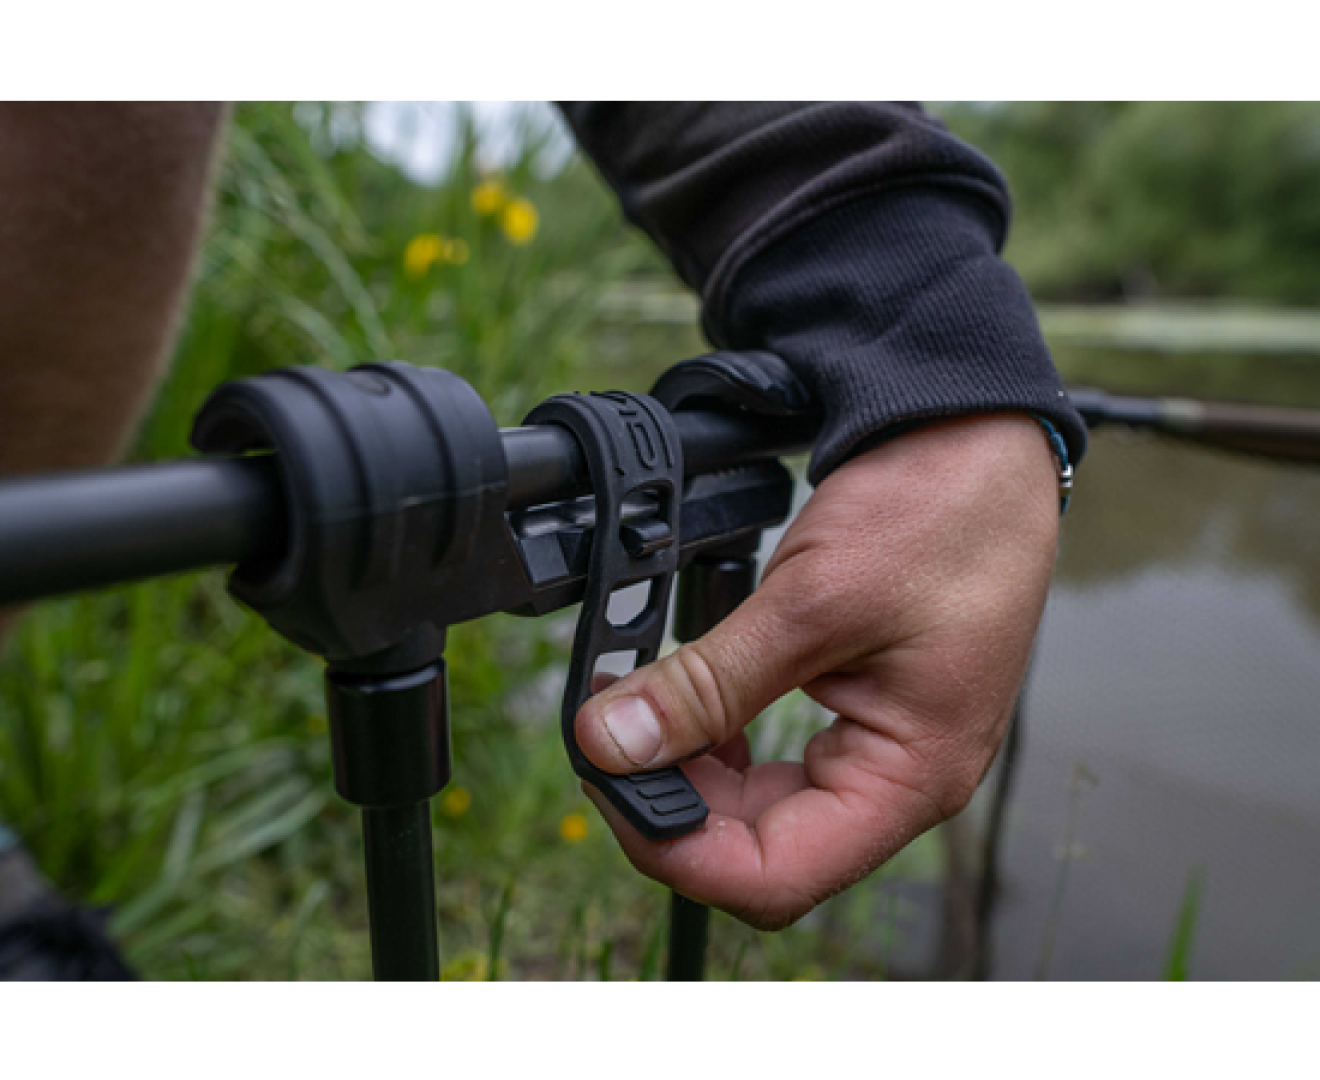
(1276, 432)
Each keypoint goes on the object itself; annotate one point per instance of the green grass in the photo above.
(164, 754)
(1178, 965)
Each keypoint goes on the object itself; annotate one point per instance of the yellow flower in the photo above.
(469, 966)
(455, 802)
(456, 251)
(423, 250)
(520, 221)
(573, 828)
(489, 197)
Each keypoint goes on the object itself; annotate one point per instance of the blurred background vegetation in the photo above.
(1145, 200)
(164, 755)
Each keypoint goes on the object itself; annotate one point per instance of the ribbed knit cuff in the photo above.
(894, 309)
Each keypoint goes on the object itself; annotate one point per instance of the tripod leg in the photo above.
(689, 923)
(389, 735)
(708, 591)
(401, 893)
(988, 892)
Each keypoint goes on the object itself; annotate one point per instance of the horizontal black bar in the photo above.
(65, 532)
(546, 465)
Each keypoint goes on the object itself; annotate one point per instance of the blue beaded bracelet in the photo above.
(1060, 449)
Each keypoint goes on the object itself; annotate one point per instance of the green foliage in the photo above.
(1135, 199)
(163, 753)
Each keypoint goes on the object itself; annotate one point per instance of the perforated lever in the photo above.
(631, 445)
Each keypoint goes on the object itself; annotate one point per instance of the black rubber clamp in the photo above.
(762, 383)
(394, 477)
(631, 446)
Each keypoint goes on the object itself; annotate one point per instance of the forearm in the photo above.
(101, 208)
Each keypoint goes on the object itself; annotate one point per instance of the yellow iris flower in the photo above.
(489, 197)
(455, 802)
(520, 221)
(573, 828)
(426, 249)
(422, 251)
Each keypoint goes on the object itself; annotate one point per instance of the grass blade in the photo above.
(1178, 966)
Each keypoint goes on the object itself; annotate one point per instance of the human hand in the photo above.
(905, 598)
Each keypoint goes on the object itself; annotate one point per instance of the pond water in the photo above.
(1172, 720)
(1171, 741)
(1171, 737)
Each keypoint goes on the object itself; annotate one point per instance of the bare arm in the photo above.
(101, 208)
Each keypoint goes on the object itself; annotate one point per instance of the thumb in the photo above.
(699, 696)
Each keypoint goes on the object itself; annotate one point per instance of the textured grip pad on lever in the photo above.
(631, 446)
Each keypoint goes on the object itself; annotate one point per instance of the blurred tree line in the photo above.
(1128, 200)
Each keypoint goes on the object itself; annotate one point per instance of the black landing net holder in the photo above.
(632, 448)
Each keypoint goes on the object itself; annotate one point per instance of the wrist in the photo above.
(959, 465)
(1059, 448)
(980, 445)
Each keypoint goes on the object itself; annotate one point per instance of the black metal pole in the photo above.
(708, 591)
(390, 741)
(63, 532)
(689, 928)
(401, 893)
(988, 889)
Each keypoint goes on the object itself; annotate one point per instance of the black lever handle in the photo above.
(631, 446)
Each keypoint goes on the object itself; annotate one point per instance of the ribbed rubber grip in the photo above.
(631, 445)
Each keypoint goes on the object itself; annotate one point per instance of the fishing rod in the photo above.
(1276, 432)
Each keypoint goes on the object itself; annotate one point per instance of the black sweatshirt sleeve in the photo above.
(860, 241)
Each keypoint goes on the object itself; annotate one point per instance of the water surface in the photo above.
(1174, 714)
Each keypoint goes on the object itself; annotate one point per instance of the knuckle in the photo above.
(821, 603)
(703, 699)
(817, 591)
